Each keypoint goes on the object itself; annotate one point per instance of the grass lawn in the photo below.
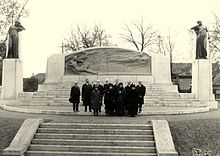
(8, 129)
(196, 133)
(187, 134)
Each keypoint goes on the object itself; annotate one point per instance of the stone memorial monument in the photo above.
(12, 77)
(202, 68)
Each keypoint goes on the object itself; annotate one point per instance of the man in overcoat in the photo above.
(75, 96)
(86, 95)
(141, 90)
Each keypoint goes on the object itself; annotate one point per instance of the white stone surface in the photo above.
(201, 80)
(161, 69)
(147, 79)
(12, 79)
(55, 68)
(23, 137)
(163, 139)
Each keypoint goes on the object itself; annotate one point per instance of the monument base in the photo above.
(161, 69)
(55, 68)
(12, 79)
(202, 82)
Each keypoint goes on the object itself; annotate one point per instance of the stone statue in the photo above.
(201, 40)
(13, 40)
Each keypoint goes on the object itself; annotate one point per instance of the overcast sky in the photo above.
(50, 20)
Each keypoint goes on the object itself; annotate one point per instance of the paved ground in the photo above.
(139, 119)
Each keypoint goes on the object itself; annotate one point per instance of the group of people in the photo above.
(118, 100)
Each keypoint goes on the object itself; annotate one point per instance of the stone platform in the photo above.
(67, 110)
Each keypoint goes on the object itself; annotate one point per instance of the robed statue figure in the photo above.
(13, 40)
(201, 40)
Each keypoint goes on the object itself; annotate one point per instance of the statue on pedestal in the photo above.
(201, 40)
(13, 40)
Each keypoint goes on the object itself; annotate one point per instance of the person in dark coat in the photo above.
(132, 99)
(105, 95)
(101, 89)
(120, 99)
(96, 100)
(86, 95)
(127, 90)
(75, 97)
(110, 100)
(141, 89)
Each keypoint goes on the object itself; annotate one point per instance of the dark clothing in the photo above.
(96, 99)
(75, 97)
(101, 89)
(141, 90)
(109, 99)
(105, 90)
(86, 95)
(120, 99)
(132, 102)
(127, 90)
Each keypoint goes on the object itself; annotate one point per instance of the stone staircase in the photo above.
(87, 139)
(156, 95)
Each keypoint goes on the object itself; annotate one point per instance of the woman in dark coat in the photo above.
(96, 100)
(75, 96)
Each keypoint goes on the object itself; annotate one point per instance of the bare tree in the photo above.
(214, 40)
(139, 35)
(10, 11)
(83, 37)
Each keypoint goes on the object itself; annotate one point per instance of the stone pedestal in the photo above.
(12, 79)
(202, 82)
(55, 68)
(161, 69)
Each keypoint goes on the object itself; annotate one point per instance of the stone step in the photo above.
(54, 153)
(104, 149)
(94, 136)
(127, 143)
(95, 131)
(97, 126)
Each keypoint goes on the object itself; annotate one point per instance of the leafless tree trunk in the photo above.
(82, 37)
(214, 40)
(139, 35)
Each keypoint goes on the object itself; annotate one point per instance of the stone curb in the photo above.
(163, 139)
(145, 113)
(23, 137)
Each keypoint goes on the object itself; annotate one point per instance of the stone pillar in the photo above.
(202, 82)
(161, 69)
(55, 68)
(12, 79)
